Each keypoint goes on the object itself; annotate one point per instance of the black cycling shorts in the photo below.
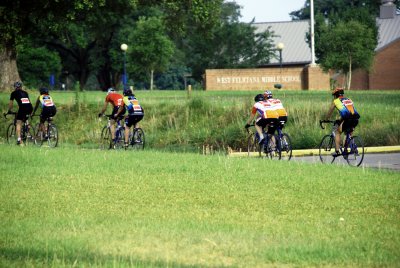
(47, 112)
(271, 122)
(349, 125)
(24, 112)
(131, 120)
(115, 111)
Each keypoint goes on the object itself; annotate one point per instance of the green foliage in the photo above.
(37, 64)
(152, 49)
(347, 45)
(68, 207)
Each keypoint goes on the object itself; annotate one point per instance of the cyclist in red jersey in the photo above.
(115, 99)
(24, 107)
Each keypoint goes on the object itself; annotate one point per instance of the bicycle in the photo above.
(27, 131)
(50, 135)
(106, 142)
(267, 148)
(352, 151)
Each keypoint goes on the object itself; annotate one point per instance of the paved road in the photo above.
(376, 160)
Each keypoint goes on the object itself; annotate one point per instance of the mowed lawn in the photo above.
(70, 207)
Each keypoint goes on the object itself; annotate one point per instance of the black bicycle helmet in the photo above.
(128, 92)
(259, 97)
(43, 90)
(339, 91)
(18, 85)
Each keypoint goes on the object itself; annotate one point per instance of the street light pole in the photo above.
(280, 47)
(124, 47)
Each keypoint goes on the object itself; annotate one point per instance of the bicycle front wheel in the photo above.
(285, 146)
(52, 136)
(137, 139)
(38, 135)
(11, 136)
(326, 149)
(30, 135)
(355, 154)
(105, 138)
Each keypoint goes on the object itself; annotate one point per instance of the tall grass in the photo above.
(175, 121)
(91, 208)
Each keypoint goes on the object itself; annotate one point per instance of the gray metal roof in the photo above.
(389, 31)
(293, 35)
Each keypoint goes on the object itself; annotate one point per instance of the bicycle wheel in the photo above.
(326, 148)
(119, 139)
(285, 146)
(253, 148)
(11, 136)
(105, 138)
(137, 139)
(355, 154)
(52, 135)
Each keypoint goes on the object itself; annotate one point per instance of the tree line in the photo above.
(170, 42)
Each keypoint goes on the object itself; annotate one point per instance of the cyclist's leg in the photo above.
(129, 121)
(259, 125)
(20, 119)
(338, 132)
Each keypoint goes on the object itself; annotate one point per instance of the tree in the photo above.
(151, 48)
(347, 46)
(36, 65)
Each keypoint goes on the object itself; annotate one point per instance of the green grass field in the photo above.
(70, 207)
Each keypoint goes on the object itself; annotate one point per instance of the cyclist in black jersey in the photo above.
(24, 107)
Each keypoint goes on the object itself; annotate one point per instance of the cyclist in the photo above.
(115, 99)
(278, 106)
(348, 116)
(265, 115)
(48, 108)
(24, 107)
(135, 112)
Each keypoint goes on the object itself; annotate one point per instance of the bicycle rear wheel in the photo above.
(285, 146)
(11, 136)
(326, 149)
(137, 139)
(253, 148)
(52, 135)
(105, 138)
(271, 149)
(355, 154)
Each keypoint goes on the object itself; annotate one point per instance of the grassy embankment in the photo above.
(174, 121)
(87, 208)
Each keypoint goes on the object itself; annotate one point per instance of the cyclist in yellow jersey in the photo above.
(135, 112)
(264, 114)
(45, 101)
(348, 115)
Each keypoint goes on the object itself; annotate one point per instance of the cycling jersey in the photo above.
(22, 98)
(46, 101)
(133, 106)
(115, 99)
(24, 104)
(278, 106)
(346, 108)
(265, 110)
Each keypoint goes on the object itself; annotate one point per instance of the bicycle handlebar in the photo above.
(325, 121)
(7, 113)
